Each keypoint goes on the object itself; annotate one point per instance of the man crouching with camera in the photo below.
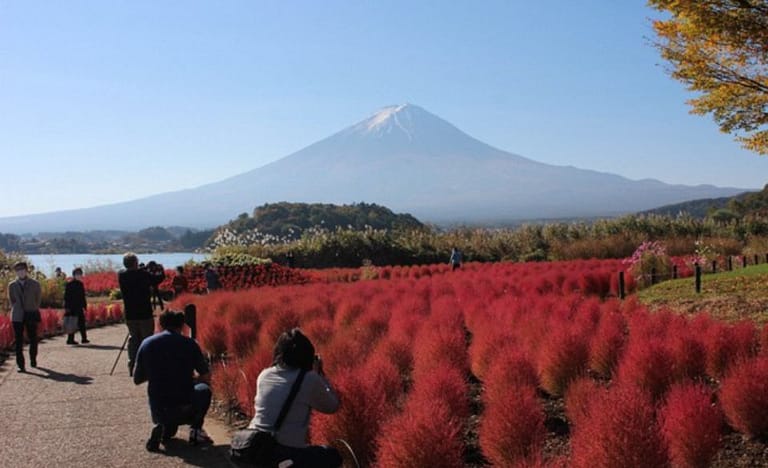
(169, 361)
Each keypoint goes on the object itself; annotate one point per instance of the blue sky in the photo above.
(109, 101)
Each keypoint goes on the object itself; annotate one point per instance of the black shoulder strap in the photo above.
(291, 396)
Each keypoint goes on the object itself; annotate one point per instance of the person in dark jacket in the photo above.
(136, 288)
(179, 282)
(25, 296)
(157, 273)
(212, 278)
(178, 377)
(456, 258)
(75, 305)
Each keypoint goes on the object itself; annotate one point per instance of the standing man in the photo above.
(157, 273)
(25, 295)
(75, 305)
(179, 282)
(455, 258)
(178, 377)
(211, 278)
(135, 286)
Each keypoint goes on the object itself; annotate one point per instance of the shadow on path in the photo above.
(99, 347)
(60, 377)
(205, 456)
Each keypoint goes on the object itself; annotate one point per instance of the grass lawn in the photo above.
(733, 295)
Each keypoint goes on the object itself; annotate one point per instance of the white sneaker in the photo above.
(199, 436)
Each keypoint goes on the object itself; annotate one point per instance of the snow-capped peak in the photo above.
(388, 120)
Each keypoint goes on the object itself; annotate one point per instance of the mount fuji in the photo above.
(402, 157)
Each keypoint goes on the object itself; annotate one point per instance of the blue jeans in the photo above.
(192, 413)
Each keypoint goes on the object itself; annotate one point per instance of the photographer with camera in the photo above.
(169, 362)
(135, 286)
(157, 273)
(286, 394)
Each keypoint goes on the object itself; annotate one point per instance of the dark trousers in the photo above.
(81, 325)
(18, 334)
(313, 456)
(174, 416)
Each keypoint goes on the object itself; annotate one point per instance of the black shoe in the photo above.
(71, 342)
(20, 369)
(85, 341)
(153, 444)
(33, 363)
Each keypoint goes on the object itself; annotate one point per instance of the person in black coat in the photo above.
(136, 288)
(75, 304)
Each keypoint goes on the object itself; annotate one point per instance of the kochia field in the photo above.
(527, 364)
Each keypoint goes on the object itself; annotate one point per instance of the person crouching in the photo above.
(169, 361)
(294, 356)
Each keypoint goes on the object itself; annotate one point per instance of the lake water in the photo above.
(67, 262)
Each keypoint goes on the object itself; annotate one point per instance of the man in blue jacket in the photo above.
(169, 362)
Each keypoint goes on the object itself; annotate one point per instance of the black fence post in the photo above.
(730, 263)
(698, 278)
(757, 259)
(743, 261)
(621, 285)
(714, 266)
(653, 276)
(674, 271)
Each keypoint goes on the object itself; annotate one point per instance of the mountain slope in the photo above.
(744, 204)
(402, 157)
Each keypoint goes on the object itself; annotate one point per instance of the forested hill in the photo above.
(745, 204)
(290, 220)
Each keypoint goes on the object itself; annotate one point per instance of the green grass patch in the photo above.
(732, 295)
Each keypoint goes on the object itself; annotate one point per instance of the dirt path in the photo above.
(71, 412)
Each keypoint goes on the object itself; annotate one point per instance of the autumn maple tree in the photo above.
(719, 49)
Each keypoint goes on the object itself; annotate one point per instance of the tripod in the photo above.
(119, 353)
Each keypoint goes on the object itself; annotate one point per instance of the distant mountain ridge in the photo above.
(743, 204)
(402, 157)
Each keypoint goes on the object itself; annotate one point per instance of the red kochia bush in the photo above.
(744, 396)
(511, 369)
(213, 336)
(621, 430)
(581, 393)
(423, 435)
(606, 345)
(727, 345)
(764, 340)
(648, 365)
(366, 395)
(691, 425)
(562, 359)
(512, 427)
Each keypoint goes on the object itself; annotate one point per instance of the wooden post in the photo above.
(698, 278)
(757, 259)
(621, 285)
(653, 276)
(674, 271)
(714, 266)
(743, 261)
(730, 263)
